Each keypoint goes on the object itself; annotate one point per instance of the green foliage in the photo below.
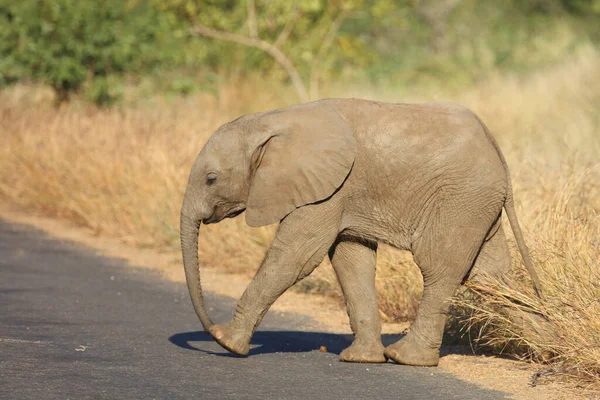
(310, 22)
(479, 37)
(96, 45)
(182, 86)
(69, 44)
(105, 90)
(402, 42)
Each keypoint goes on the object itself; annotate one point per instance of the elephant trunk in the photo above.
(189, 229)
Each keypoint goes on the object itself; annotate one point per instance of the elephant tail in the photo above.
(509, 207)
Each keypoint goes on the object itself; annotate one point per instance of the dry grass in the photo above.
(122, 172)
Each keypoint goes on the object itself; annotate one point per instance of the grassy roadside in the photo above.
(122, 172)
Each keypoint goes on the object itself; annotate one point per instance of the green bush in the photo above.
(105, 90)
(71, 44)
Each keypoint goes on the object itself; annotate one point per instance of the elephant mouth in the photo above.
(234, 212)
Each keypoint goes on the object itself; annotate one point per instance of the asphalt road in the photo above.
(76, 325)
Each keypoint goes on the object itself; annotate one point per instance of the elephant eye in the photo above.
(211, 178)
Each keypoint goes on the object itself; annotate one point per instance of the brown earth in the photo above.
(492, 372)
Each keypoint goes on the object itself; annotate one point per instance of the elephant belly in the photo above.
(369, 222)
(394, 206)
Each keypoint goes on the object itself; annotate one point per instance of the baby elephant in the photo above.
(340, 176)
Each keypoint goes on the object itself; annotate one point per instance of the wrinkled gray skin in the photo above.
(341, 175)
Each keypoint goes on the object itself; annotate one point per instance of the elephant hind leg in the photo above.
(444, 260)
(493, 262)
(354, 265)
(421, 345)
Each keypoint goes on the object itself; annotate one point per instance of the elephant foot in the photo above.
(409, 351)
(364, 353)
(230, 339)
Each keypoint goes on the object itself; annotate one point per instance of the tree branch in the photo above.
(268, 48)
(289, 26)
(252, 25)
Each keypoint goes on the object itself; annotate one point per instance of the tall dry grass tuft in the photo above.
(567, 252)
(122, 173)
(549, 128)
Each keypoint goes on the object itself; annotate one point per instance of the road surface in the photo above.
(76, 325)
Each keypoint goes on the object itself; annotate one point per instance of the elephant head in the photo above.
(267, 164)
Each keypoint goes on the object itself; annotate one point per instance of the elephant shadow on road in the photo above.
(268, 342)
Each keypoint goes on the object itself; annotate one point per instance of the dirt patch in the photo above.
(496, 373)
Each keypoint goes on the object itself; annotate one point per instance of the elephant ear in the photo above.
(304, 158)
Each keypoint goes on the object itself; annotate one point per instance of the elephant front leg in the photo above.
(354, 265)
(299, 246)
